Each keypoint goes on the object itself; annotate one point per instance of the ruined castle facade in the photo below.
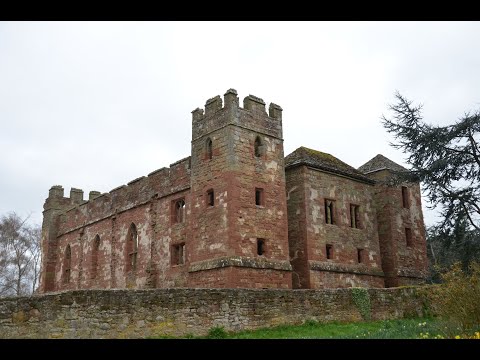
(238, 214)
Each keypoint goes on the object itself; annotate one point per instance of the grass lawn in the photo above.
(421, 328)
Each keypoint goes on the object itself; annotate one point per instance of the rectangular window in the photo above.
(260, 247)
(329, 251)
(259, 200)
(360, 255)
(408, 237)
(355, 216)
(178, 254)
(178, 211)
(405, 197)
(210, 198)
(329, 211)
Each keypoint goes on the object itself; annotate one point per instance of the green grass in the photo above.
(419, 328)
(389, 329)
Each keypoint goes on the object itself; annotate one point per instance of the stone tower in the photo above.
(401, 229)
(54, 207)
(238, 224)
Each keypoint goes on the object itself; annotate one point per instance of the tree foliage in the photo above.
(19, 256)
(456, 300)
(445, 247)
(445, 158)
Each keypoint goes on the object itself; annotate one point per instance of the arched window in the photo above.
(67, 264)
(95, 251)
(132, 248)
(179, 211)
(209, 146)
(258, 147)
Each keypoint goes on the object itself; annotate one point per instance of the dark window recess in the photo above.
(178, 254)
(209, 149)
(355, 216)
(259, 200)
(258, 147)
(68, 264)
(132, 248)
(405, 197)
(360, 254)
(210, 198)
(179, 211)
(260, 247)
(329, 251)
(329, 211)
(408, 237)
(95, 251)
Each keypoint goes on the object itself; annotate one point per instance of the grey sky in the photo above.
(94, 105)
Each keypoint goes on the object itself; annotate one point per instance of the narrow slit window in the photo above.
(68, 264)
(178, 254)
(210, 198)
(260, 247)
(405, 197)
(259, 200)
(329, 251)
(132, 248)
(209, 146)
(354, 216)
(408, 237)
(95, 251)
(329, 211)
(360, 255)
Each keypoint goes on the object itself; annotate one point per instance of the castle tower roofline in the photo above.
(379, 163)
(323, 161)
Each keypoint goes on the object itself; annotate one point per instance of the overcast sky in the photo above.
(93, 105)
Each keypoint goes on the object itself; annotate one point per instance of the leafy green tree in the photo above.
(446, 159)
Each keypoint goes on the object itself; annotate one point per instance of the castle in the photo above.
(238, 214)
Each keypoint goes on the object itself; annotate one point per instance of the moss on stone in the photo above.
(361, 298)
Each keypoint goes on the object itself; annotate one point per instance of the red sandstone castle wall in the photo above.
(308, 189)
(232, 226)
(297, 224)
(145, 202)
(402, 264)
(221, 241)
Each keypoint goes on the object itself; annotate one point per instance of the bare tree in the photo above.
(19, 255)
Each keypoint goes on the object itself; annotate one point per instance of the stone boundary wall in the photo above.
(182, 311)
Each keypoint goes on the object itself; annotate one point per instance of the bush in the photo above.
(217, 332)
(456, 300)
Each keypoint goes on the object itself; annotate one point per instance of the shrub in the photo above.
(217, 332)
(456, 300)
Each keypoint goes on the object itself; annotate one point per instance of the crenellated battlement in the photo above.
(254, 103)
(56, 191)
(230, 101)
(160, 182)
(213, 105)
(93, 194)
(253, 115)
(76, 195)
